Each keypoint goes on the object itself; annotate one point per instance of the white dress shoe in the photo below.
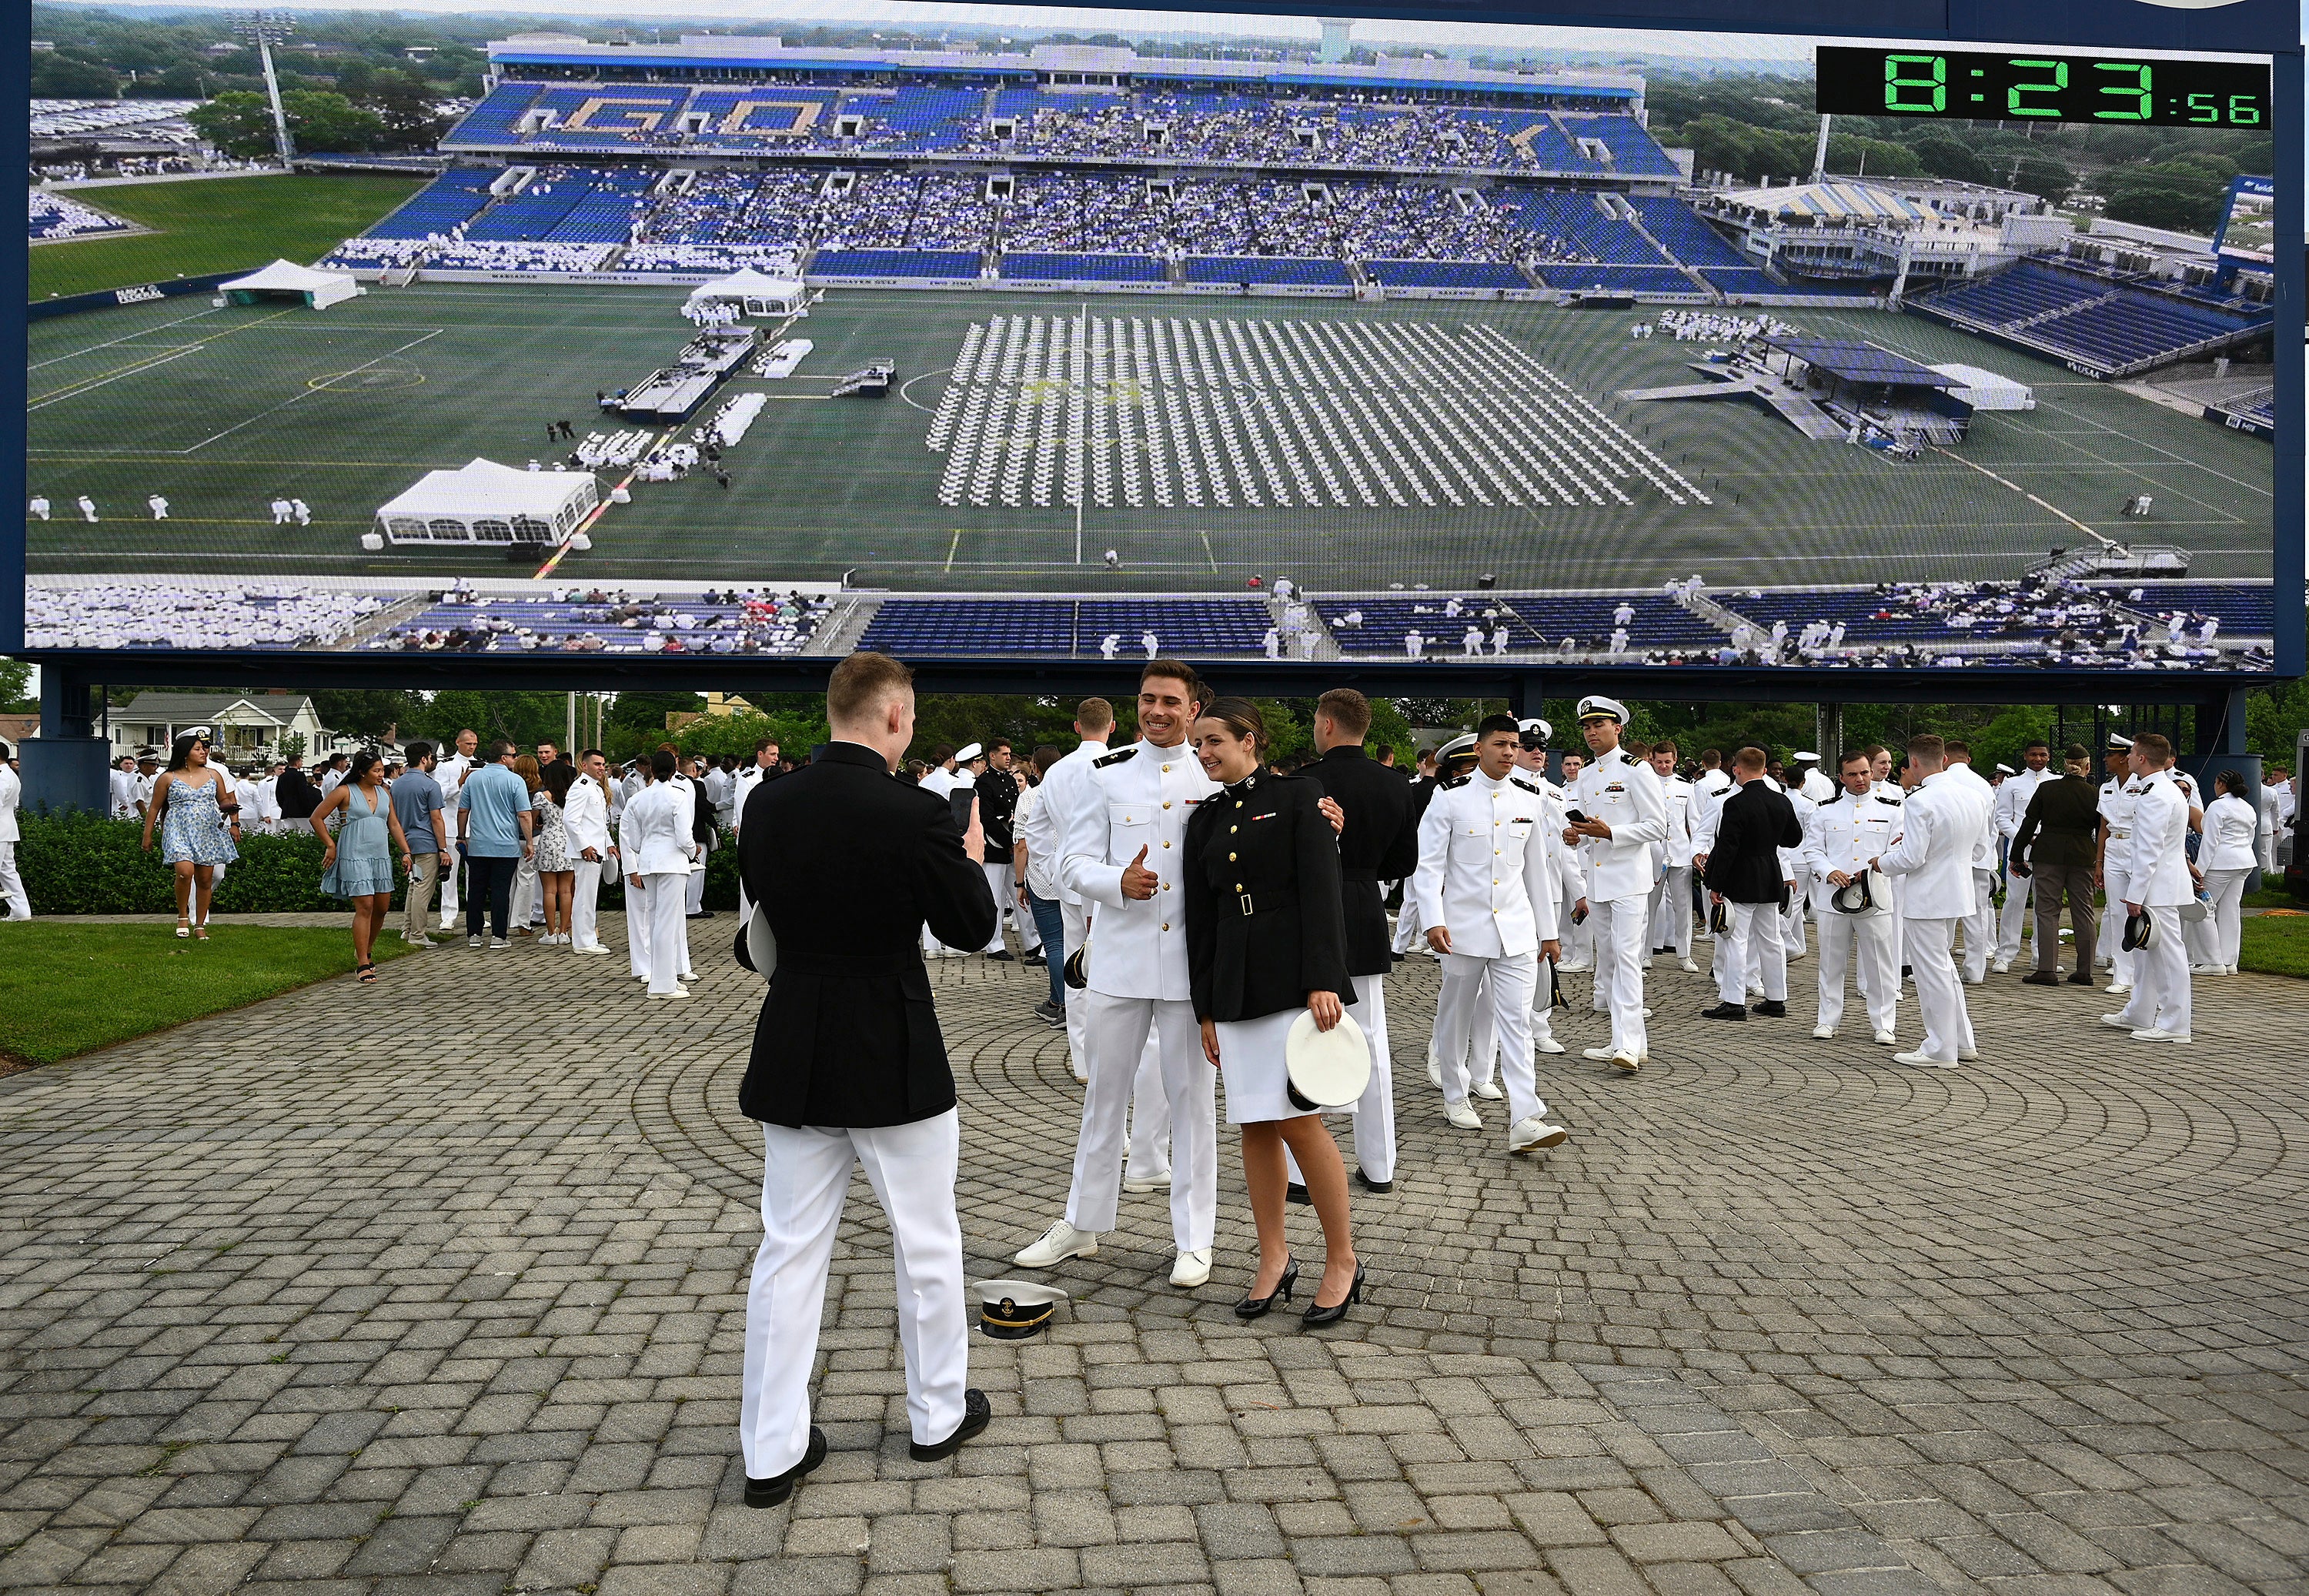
(677, 992)
(2002, 967)
(1147, 1183)
(1573, 967)
(1462, 1115)
(2119, 987)
(2118, 1021)
(1529, 1136)
(1922, 1062)
(1435, 1073)
(1489, 1091)
(1968, 1054)
(1600, 1055)
(1060, 1242)
(1192, 1269)
(1628, 1059)
(1823, 1034)
(2154, 1035)
(1546, 1044)
(1690, 968)
(1884, 1039)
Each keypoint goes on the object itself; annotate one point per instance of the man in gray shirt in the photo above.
(417, 802)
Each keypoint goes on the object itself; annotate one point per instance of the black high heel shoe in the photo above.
(1317, 1314)
(1250, 1307)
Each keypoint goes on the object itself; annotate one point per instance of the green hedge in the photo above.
(76, 862)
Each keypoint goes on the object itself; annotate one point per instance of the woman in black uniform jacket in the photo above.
(1267, 937)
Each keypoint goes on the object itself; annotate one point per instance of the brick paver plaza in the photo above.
(439, 1287)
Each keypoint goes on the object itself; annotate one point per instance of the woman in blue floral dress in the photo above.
(357, 863)
(199, 818)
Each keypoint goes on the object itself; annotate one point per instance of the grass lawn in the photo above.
(2275, 945)
(223, 224)
(2272, 893)
(67, 985)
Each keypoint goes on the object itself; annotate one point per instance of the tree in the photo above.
(321, 120)
(370, 713)
(2274, 719)
(1946, 157)
(235, 122)
(16, 687)
(2037, 175)
(522, 717)
(645, 712)
(59, 76)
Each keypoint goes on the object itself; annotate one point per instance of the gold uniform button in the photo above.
(1166, 844)
(1166, 803)
(1166, 924)
(1230, 858)
(1166, 770)
(1232, 829)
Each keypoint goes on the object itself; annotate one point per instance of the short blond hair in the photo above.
(861, 682)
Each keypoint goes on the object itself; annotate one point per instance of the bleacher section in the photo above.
(1197, 626)
(2243, 608)
(448, 202)
(1635, 152)
(1446, 274)
(944, 263)
(2098, 324)
(1535, 621)
(1081, 268)
(1269, 271)
(669, 624)
(60, 216)
(1685, 237)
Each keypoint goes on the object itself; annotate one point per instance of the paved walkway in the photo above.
(437, 1288)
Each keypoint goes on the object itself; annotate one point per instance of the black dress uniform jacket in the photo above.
(847, 861)
(1264, 920)
(998, 806)
(1758, 821)
(2062, 826)
(1380, 843)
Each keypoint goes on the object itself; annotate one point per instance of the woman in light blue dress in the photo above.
(199, 817)
(357, 862)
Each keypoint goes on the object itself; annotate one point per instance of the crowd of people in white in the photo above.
(155, 614)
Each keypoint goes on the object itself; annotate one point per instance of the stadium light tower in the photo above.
(265, 29)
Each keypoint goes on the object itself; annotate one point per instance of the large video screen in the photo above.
(1262, 337)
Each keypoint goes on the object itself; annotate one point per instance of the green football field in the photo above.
(221, 409)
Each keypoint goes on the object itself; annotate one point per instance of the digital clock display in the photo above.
(1917, 80)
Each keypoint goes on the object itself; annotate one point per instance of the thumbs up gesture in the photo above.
(1138, 882)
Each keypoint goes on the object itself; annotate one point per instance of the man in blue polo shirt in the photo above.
(494, 817)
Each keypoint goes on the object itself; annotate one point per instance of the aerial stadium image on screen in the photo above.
(1291, 338)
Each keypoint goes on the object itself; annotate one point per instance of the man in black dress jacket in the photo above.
(1745, 869)
(1380, 843)
(846, 863)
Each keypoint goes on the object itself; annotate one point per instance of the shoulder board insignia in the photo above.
(1117, 757)
(1452, 782)
(1526, 786)
(1890, 802)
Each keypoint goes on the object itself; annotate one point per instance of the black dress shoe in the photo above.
(976, 1415)
(1772, 1008)
(1002, 954)
(2041, 977)
(2082, 978)
(1368, 1185)
(1034, 961)
(1396, 957)
(773, 1491)
(1724, 1011)
(1296, 1193)
(1251, 1308)
(1317, 1314)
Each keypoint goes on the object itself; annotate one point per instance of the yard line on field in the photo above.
(303, 393)
(74, 390)
(953, 547)
(601, 504)
(1207, 553)
(2170, 458)
(124, 338)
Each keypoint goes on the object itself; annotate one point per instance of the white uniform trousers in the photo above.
(1149, 1154)
(1792, 918)
(1408, 931)
(1620, 926)
(1979, 926)
(449, 887)
(1579, 941)
(12, 885)
(637, 927)
(1864, 940)
(527, 902)
(1940, 995)
(2018, 891)
(805, 1177)
(1671, 913)
(694, 893)
(1463, 995)
(999, 881)
(1753, 943)
(2228, 888)
(585, 899)
(2160, 976)
(1507, 985)
(2202, 938)
(1117, 1029)
(667, 956)
(2121, 964)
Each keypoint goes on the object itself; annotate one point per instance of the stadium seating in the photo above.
(1684, 236)
(1616, 279)
(1743, 280)
(2096, 321)
(60, 216)
(1081, 268)
(2242, 608)
(894, 263)
(448, 202)
(538, 209)
(1534, 621)
(666, 625)
(493, 120)
(1446, 274)
(1064, 626)
(1635, 152)
(1267, 270)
